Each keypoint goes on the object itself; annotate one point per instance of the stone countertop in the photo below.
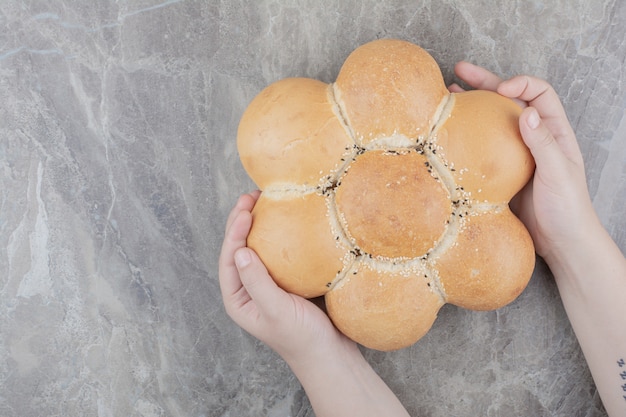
(118, 167)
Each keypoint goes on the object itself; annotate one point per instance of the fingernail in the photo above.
(533, 119)
(242, 258)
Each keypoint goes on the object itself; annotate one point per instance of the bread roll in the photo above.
(387, 194)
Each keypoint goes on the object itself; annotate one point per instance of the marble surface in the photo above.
(118, 167)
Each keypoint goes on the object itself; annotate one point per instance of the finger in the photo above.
(548, 155)
(477, 77)
(258, 283)
(245, 202)
(537, 93)
(522, 205)
(255, 195)
(540, 94)
(234, 239)
(455, 88)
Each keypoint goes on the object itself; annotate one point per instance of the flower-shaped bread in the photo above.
(387, 194)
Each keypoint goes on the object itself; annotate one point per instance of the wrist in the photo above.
(578, 244)
(576, 265)
(339, 381)
(344, 354)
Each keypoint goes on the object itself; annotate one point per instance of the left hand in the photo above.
(291, 325)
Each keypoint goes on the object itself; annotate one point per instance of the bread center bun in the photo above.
(388, 195)
(392, 205)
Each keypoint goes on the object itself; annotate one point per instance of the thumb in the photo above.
(545, 149)
(256, 280)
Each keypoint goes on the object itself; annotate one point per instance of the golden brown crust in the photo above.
(388, 194)
(382, 309)
(490, 263)
(291, 117)
(475, 140)
(391, 205)
(295, 241)
(390, 87)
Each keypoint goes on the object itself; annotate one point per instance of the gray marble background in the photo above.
(118, 167)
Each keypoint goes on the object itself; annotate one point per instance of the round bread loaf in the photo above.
(387, 194)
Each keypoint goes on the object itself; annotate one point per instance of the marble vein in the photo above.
(118, 167)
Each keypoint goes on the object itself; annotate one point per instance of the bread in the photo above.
(387, 194)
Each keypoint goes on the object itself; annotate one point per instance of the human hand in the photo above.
(294, 327)
(335, 375)
(555, 206)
